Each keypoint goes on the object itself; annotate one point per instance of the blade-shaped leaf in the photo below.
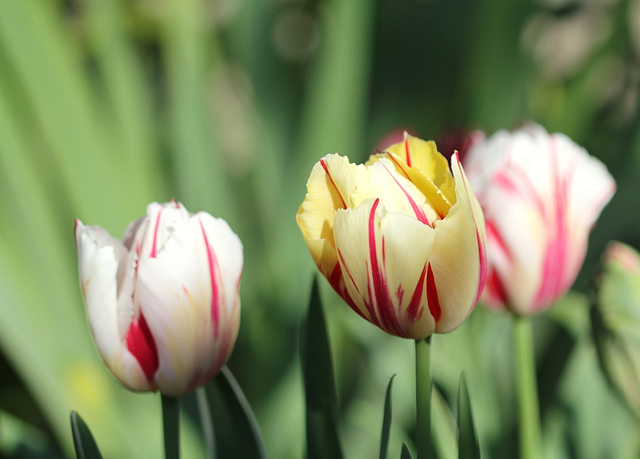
(225, 392)
(320, 392)
(468, 446)
(443, 423)
(386, 421)
(85, 445)
(406, 452)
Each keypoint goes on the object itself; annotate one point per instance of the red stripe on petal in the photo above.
(214, 270)
(420, 215)
(152, 254)
(340, 287)
(407, 150)
(432, 296)
(554, 277)
(399, 166)
(483, 267)
(414, 311)
(384, 303)
(326, 169)
(141, 344)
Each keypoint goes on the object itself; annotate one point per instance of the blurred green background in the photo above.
(225, 105)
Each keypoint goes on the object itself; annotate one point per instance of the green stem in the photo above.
(527, 389)
(171, 423)
(208, 432)
(423, 398)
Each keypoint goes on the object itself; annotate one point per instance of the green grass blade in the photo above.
(66, 113)
(320, 392)
(468, 445)
(225, 390)
(127, 96)
(406, 452)
(198, 165)
(84, 443)
(386, 422)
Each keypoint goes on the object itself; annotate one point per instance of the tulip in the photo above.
(401, 239)
(163, 303)
(541, 195)
(615, 322)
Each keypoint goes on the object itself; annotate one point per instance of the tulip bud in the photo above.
(163, 304)
(541, 195)
(401, 239)
(616, 322)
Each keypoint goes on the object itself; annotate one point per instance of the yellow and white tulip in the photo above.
(401, 239)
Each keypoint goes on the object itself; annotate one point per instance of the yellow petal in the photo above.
(384, 258)
(421, 163)
(330, 187)
(459, 255)
(397, 193)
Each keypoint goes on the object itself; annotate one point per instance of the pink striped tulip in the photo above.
(401, 239)
(541, 195)
(163, 303)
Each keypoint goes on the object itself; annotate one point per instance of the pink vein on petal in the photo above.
(155, 235)
(383, 300)
(326, 169)
(555, 259)
(414, 311)
(432, 296)
(214, 269)
(407, 150)
(141, 344)
(420, 215)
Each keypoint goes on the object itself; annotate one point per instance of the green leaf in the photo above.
(85, 445)
(320, 392)
(443, 426)
(225, 390)
(468, 446)
(406, 452)
(386, 421)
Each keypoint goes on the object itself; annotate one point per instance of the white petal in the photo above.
(98, 260)
(175, 295)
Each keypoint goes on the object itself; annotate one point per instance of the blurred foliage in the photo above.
(615, 316)
(225, 105)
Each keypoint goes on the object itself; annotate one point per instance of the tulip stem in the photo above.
(208, 431)
(423, 398)
(527, 389)
(171, 423)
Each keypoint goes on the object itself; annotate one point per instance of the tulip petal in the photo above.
(385, 272)
(330, 187)
(458, 258)
(189, 295)
(396, 192)
(162, 221)
(98, 260)
(421, 163)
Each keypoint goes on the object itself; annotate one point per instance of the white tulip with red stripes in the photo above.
(541, 195)
(401, 239)
(163, 304)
